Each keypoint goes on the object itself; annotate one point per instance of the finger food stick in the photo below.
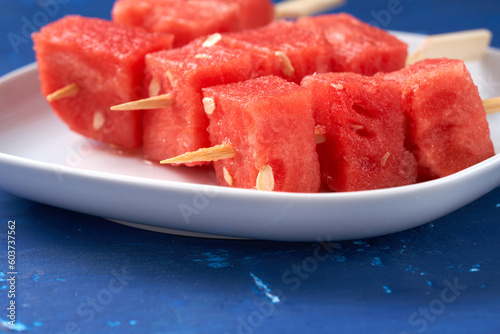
(449, 45)
(214, 153)
(165, 100)
(464, 45)
(296, 8)
(218, 152)
(265, 178)
(67, 91)
(492, 105)
(154, 102)
(225, 151)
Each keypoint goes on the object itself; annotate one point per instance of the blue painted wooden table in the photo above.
(84, 274)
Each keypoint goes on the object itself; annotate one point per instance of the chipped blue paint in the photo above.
(132, 322)
(213, 260)
(387, 289)
(35, 278)
(264, 288)
(429, 283)
(377, 262)
(60, 279)
(361, 243)
(37, 324)
(475, 268)
(114, 323)
(338, 258)
(18, 326)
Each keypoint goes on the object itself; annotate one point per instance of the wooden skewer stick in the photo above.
(154, 102)
(492, 105)
(225, 151)
(217, 152)
(464, 45)
(295, 8)
(214, 153)
(66, 91)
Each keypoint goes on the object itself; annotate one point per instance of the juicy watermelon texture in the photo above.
(267, 121)
(448, 130)
(364, 147)
(106, 61)
(254, 13)
(306, 49)
(182, 127)
(190, 19)
(357, 46)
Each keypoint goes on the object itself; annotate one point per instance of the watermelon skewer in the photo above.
(248, 123)
(350, 130)
(190, 19)
(95, 73)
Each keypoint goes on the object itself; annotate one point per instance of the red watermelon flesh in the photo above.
(254, 13)
(305, 50)
(364, 146)
(448, 130)
(106, 61)
(189, 19)
(268, 122)
(357, 46)
(183, 72)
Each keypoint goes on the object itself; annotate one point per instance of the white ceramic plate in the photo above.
(40, 159)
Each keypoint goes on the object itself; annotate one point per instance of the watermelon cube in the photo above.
(189, 19)
(254, 13)
(183, 72)
(268, 122)
(357, 46)
(285, 49)
(447, 126)
(106, 62)
(364, 144)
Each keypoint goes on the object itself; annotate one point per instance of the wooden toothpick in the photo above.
(464, 45)
(66, 91)
(214, 153)
(155, 102)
